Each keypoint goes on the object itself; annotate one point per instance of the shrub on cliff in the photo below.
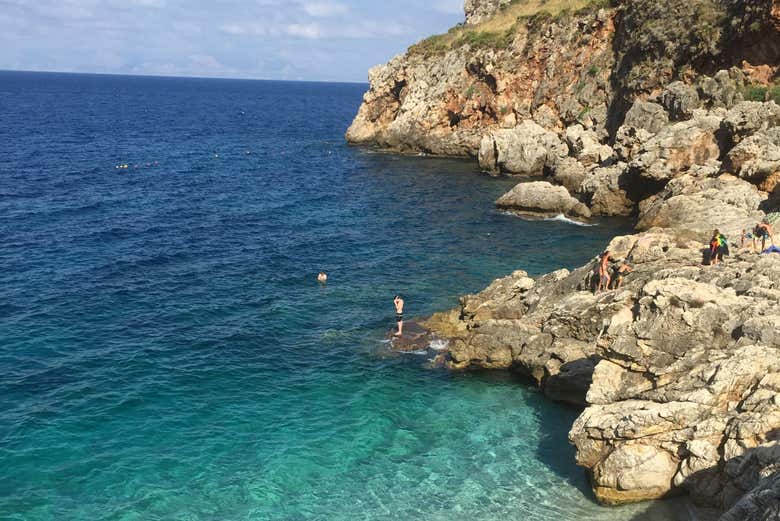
(659, 40)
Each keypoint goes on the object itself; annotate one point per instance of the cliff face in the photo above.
(659, 109)
(539, 61)
(480, 10)
(442, 100)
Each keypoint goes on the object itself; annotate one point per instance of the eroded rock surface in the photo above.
(620, 110)
(679, 368)
(526, 149)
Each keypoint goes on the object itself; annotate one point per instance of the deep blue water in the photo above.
(166, 354)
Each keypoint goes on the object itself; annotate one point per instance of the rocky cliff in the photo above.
(679, 368)
(664, 110)
(558, 64)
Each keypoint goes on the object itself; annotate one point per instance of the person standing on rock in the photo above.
(399, 314)
(762, 231)
(719, 247)
(604, 278)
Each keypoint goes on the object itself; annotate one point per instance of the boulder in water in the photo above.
(541, 199)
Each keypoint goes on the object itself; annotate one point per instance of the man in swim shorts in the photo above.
(399, 314)
(604, 277)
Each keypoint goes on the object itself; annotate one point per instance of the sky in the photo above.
(324, 40)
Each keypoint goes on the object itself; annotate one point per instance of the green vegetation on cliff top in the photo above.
(498, 31)
(762, 93)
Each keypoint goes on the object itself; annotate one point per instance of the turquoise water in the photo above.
(166, 354)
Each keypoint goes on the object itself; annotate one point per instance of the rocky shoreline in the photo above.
(663, 111)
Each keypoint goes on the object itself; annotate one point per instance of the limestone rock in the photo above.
(677, 148)
(527, 149)
(685, 392)
(603, 192)
(696, 205)
(749, 117)
(723, 89)
(541, 199)
(760, 504)
(680, 100)
(585, 146)
(569, 173)
(629, 141)
(480, 10)
(446, 93)
(757, 158)
(647, 116)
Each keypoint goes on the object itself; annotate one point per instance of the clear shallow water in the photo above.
(166, 354)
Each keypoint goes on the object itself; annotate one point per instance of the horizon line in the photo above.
(163, 76)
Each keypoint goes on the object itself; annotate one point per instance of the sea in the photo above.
(167, 354)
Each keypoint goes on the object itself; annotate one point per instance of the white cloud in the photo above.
(324, 9)
(158, 4)
(449, 6)
(367, 29)
(308, 31)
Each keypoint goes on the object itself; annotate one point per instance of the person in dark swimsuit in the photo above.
(399, 314)
(763, 231)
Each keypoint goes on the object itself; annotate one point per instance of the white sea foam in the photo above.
(562, 218)
(439, 344)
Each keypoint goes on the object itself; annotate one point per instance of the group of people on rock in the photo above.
(719, 246)
(611, 273)
(610, 276)
(761, 231)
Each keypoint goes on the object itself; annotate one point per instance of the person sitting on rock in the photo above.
(762, 231)
(618, 272)
(604, 278)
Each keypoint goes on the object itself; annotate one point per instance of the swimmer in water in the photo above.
(322, 277)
